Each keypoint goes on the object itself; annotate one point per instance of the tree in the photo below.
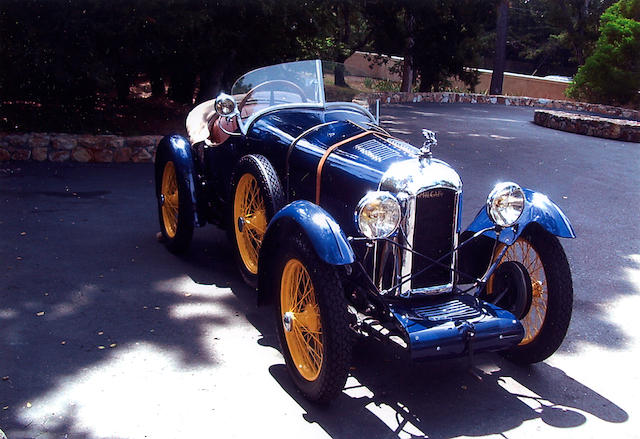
(497, 76)
(611, 75)
(442, 41)
(338, 29)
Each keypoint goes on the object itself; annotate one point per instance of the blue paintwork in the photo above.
(178, 149)
(324, 233)
(495, 330)
(348, 173)
(538, 209)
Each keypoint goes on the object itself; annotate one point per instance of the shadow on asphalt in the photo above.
(82, 275)
(387, 397)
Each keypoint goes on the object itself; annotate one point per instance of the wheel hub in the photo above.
(161, 199)
(513, 277)
(287, 321)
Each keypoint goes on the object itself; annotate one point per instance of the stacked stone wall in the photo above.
(607, 128)
(82, 148)
(475, 98)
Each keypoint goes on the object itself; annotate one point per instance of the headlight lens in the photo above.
(225, 104)
(378, 214)
(505, 204)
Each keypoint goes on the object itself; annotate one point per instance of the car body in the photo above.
(347, 230)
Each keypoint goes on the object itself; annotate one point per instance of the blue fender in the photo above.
(538, 209)
(178, 149)
(327, 239)
(324, 233)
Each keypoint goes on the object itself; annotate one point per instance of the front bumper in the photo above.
(453, 326)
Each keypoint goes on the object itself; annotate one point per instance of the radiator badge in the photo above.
(431, 194)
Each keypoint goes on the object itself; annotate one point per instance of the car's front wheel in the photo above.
(533, 281)
(312, 321)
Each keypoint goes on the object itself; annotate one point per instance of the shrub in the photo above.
(611, 75)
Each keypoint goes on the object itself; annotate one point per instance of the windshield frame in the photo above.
(320, 104)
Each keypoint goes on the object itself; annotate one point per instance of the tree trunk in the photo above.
(501, 46)
(122, 87)
(157, 82)
(182, 86)
(210, 83)
(407, 66)
(338, 75)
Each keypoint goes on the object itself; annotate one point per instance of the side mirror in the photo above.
(226, 106)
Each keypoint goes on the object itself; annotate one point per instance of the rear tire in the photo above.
(312, 321)
(545, 311)
(175, 208)
(256, 196)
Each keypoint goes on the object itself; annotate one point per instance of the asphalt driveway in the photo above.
(103, 333)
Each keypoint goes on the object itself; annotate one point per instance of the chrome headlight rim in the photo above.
(505, 204)
(225, 105)
(392, 215)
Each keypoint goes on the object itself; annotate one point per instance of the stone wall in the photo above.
(474, 98)
(60, 147)
(83, 148)
(618, 129)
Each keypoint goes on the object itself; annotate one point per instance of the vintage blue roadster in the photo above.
(348, 230)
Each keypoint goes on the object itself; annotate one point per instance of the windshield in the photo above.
(288, 83)
(312, 83)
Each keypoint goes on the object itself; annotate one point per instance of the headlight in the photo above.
(378, 214)
(505, 204)
(225, 105)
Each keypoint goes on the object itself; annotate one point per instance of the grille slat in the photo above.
(376, 150)
(433, 236)
(452, 310)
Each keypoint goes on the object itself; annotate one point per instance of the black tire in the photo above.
(246, 242)
(177, 235)
(334, 333)
(540, 341)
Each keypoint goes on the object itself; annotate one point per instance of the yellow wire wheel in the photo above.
(523, 252)
(171, 200)
(300, 315)
(250, 220)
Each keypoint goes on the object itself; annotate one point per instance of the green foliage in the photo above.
(547, 36)
(66, 51)
(611, 74)
(445, 35)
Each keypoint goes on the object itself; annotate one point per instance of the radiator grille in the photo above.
(433, 236)
(452, 310)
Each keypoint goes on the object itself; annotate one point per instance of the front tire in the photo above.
(175, 208)
(312, 321)
(541, 297)
(256, 196)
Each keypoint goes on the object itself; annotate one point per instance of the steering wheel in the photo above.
(279, 82)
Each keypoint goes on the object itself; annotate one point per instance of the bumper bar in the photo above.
(452, 326)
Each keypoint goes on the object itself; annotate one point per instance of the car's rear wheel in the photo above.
(312, 321)
(257, 196)
(533, 281)
(175, 208)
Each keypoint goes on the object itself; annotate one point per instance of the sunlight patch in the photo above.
(121, 398)
(186, 286)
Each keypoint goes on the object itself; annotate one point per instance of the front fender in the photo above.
(178, 149)
(324, 233)
(538, 209)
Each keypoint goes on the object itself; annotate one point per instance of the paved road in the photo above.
(103, 333)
